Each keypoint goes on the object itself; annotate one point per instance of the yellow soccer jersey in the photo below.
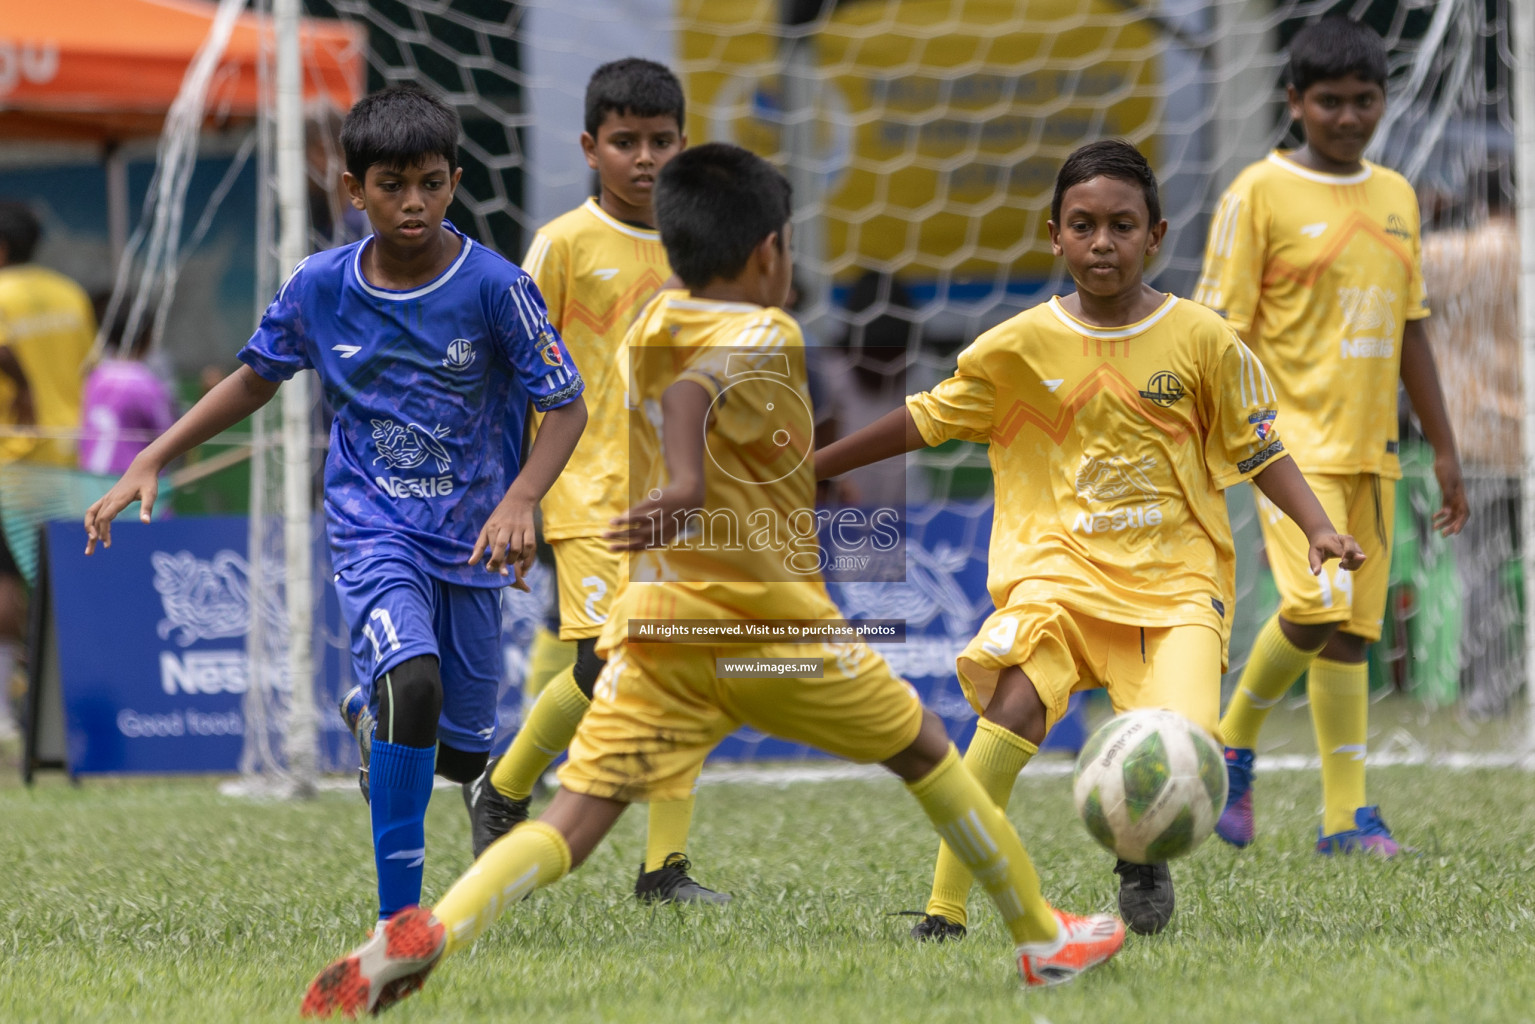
(47, 321)
(1319, 273)
(1110, 449)
(753, 552)
(595, 274)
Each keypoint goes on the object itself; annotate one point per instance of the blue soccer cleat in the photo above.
(359, 722)
(1236, 821)
(1369, 835)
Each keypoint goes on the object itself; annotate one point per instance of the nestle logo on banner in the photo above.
(204, 672)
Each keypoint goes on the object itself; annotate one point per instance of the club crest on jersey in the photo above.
(460, 354)
(1164, 388)
(549, 349)
(1396, 227)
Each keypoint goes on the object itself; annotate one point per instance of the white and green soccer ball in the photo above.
(1150, 785)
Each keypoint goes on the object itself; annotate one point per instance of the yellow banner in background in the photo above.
(938, 125)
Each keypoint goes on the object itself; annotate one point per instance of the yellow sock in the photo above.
(995, 758)
(528, 857)
(1273, 666)
(984, 841)
(669, 824)
(548, 656)
(547, 732)
(1340, 709)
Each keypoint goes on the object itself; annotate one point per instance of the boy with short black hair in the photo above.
(1314, 258)
(660, 707)
(1115, 416)
(426, 345)
(597, 266)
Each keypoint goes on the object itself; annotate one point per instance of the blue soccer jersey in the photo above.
(423, 384)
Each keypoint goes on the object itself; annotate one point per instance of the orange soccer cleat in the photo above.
(1083, 942)
(392, 964)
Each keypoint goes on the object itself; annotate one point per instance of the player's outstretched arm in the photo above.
(231, 400)
(653, 522)
(508, 536)
(894, 433)
(1421, 379)
(1282, 483)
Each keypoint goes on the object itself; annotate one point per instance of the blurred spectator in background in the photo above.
(862, 378)
(47, 327)
(126, 403)
(1472, 278)
(333, 220)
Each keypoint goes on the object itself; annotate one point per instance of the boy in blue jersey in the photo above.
(427, 345)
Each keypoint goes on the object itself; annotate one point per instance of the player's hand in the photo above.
(141, 483)
(1335, 545)
(653, 522)
(507, 540)
(1454, 510)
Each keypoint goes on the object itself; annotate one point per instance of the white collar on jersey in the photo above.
(1112, 333)
(415, 293)
(1321, 177)
(643, 234)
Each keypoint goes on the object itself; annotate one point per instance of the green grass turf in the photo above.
(165, 901)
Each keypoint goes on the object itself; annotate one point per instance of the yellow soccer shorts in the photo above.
(658, 709)
(1062, 651)
(1362, 505)
(588, 575)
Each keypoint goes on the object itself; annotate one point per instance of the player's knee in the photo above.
(460, 765)
(1348, 648)
(1309, 636)
(588, 665)
(1017, 707)
(925, 753)
(410, 702)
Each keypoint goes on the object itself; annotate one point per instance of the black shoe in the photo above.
(670, 883)
(491, 814)
(1145, 896)
(934, 927)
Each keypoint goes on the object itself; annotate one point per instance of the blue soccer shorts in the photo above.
(395, 611)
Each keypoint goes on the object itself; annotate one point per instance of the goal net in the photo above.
(922, 138)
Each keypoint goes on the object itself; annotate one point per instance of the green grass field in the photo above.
(165, 901)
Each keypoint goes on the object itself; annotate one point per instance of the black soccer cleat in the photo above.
(670, 883)
(492, 814)
(1145, 896)
(935, 927)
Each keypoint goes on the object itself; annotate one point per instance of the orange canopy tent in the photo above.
(107, 70)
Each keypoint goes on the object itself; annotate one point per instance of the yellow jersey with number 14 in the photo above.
(1110, 448)
(1320, 273)
(595, 273)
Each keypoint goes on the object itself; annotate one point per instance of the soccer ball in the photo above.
(1150, 785)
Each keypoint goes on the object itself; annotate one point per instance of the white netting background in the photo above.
(922, 138)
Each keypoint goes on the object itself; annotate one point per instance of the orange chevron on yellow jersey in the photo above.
(1320, 273)
(1110, 449)
(752, 552)
(595, 273)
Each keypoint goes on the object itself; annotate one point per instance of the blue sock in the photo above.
(400, 784)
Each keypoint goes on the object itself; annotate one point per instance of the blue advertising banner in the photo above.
(151, 647)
